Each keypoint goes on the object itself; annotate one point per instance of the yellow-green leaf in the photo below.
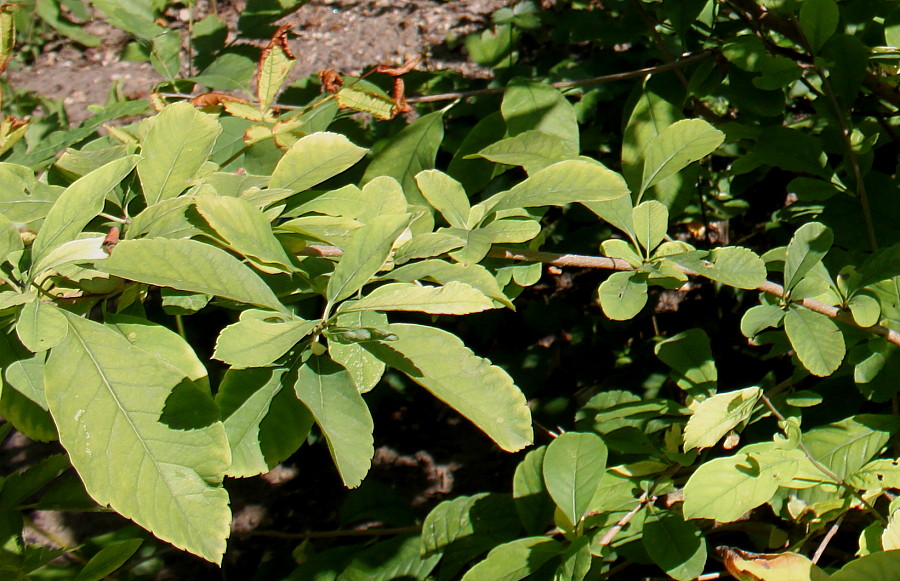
(108, 415)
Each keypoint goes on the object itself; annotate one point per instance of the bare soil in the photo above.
(345, 35)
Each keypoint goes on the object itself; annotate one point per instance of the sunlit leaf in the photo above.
(573, 466)
(79, 204)
(817, 340)
(515, 560)
(314, 159)
(483, 393)
(264, 421)
(327, 391)
(365, 255)
(167, 480)
(623, 295)
(244, 228)
(256, 343)
(454, 298)
(445, 195)
(413, 150)
(810, 243)
(675, 147)
(176, 145)
(718, 415)
(724, 489)
(191, 266)
(564, 183)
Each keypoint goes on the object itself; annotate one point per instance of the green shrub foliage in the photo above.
(742, 153)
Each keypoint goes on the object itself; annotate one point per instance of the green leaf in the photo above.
(817, 340)
(533, 150)
(481, 392)
(725, 488)
(79, 204)
(865, 308)
(532, 105)
(678, 547)
(623, 295)
(892, 27)
(375, 104)
(759, 318)
(732, 265)
(443, 272)
(396, 559)
(791, 150)
(881, 566)
(164, 344)
(413, 150)
(314, 159)
(809, 245)
(108, 559)
(689, 354)
(165, 54)
(454, 298)
(165, 219)
(257, 343)
(26, 376)
(818, 21)
(49, 12)
(365, 255)
(82, 250)
(530, 494)
(175, 147)
(618, 248)
(846, 446)
(244, 228)
(576, 561)
(190, 266)
(651, 222)
(515, 560)
(427, 245)
(618, 212)
(364, 368)
(41, 326)
(446, 195)
(573, 466)
(460, 529)
(274, 67)
(166, 480)
(718, 415)
(876, 475)
(134, 17)
(327, 390)
(513, 230)
(564, 183)
(264, 421)
(677, 146)
(650, 116)
(10, 239)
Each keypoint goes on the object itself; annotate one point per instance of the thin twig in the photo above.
(846, 135)
(112, 218)
(611, 533)
(822, 468)
(827, 538)
(601, 262)
(336, 534)
(637, 74)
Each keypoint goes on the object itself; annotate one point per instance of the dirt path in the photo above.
(345, 35)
